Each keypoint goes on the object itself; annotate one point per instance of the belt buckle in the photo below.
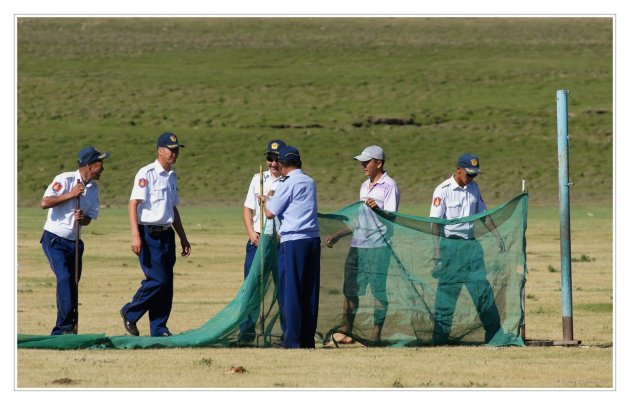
(156, 231)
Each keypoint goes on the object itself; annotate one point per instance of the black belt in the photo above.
(157, 230)
(158, 227)
(458, 237)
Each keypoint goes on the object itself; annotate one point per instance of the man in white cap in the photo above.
(61, 198)
(368, 259)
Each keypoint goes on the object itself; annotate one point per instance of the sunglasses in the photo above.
(272, 157)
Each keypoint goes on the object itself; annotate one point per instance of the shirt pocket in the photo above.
(454, 209)
(158, 192)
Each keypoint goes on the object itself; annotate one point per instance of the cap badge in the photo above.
(173, 138)
(437, 201)
(474, 162)
(274, 145)
(142, 183)
(56, 186)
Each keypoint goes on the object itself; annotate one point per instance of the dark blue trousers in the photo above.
(298, 291)
(155, 295)
(248, 326)
(463, 266)
(60, 253)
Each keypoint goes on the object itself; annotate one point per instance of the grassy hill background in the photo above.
(228, 85)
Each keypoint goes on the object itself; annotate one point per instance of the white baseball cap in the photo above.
(371, 152)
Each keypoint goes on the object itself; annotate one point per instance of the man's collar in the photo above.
(77, 176)
(159, 168)
(455, 185)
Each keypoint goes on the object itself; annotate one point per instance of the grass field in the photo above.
(210, 278)
(228, 85)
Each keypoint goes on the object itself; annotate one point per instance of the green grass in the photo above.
(470, 84)
(212, 276)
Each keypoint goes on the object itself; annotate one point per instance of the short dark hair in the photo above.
(291, 163)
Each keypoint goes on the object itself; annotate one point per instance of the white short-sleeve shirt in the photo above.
(369, 231)
(251, 202)
(158, 194)
(451, 201)
(60, 219)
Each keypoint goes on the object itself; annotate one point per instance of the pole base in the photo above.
(547, 343)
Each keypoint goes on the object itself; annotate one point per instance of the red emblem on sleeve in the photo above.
(142, 183)
(437, 201)
(57, 186)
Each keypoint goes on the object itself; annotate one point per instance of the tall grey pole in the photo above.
(565, 214)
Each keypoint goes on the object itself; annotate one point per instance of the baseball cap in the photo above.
(275, 146)
(371, 152)
(89, 155)
(288, 153)
(469, 162)
(168, 140)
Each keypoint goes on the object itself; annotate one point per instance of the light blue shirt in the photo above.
(295, 204)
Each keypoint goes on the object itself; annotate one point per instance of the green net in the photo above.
(472, 295)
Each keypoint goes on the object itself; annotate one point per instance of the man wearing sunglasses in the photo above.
(252, 220)
(458, 256)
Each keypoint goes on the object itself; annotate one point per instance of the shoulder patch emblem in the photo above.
(142, 183)
(57, 186)
(437, 201)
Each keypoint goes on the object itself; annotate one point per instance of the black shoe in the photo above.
(165, 334)
(129, 326)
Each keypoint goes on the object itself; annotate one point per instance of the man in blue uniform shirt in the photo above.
(458, 255)
(61, 230)
(153, 215)
(295, 204)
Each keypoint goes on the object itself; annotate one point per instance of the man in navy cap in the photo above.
(153, 215)
(72, 200)
(457, 254)
(295, 204)
(252, 219)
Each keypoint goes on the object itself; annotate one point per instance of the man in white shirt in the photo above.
(252, 219)
(72, 200)
(368, 259)
(458, 255)
(153, 215)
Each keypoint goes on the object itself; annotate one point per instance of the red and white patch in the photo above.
(437, 201)
(57, 186)
(142, 183)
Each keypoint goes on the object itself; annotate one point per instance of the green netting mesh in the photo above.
(397, 287)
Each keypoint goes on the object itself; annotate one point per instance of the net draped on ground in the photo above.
(407, 280)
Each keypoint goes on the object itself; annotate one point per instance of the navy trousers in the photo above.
(155, 295)
(463, 266)
(298, 291)
(60, 253)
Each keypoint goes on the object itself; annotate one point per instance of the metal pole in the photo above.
(523, 190)
(565, 213)
(76, 267)
(262, 259)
